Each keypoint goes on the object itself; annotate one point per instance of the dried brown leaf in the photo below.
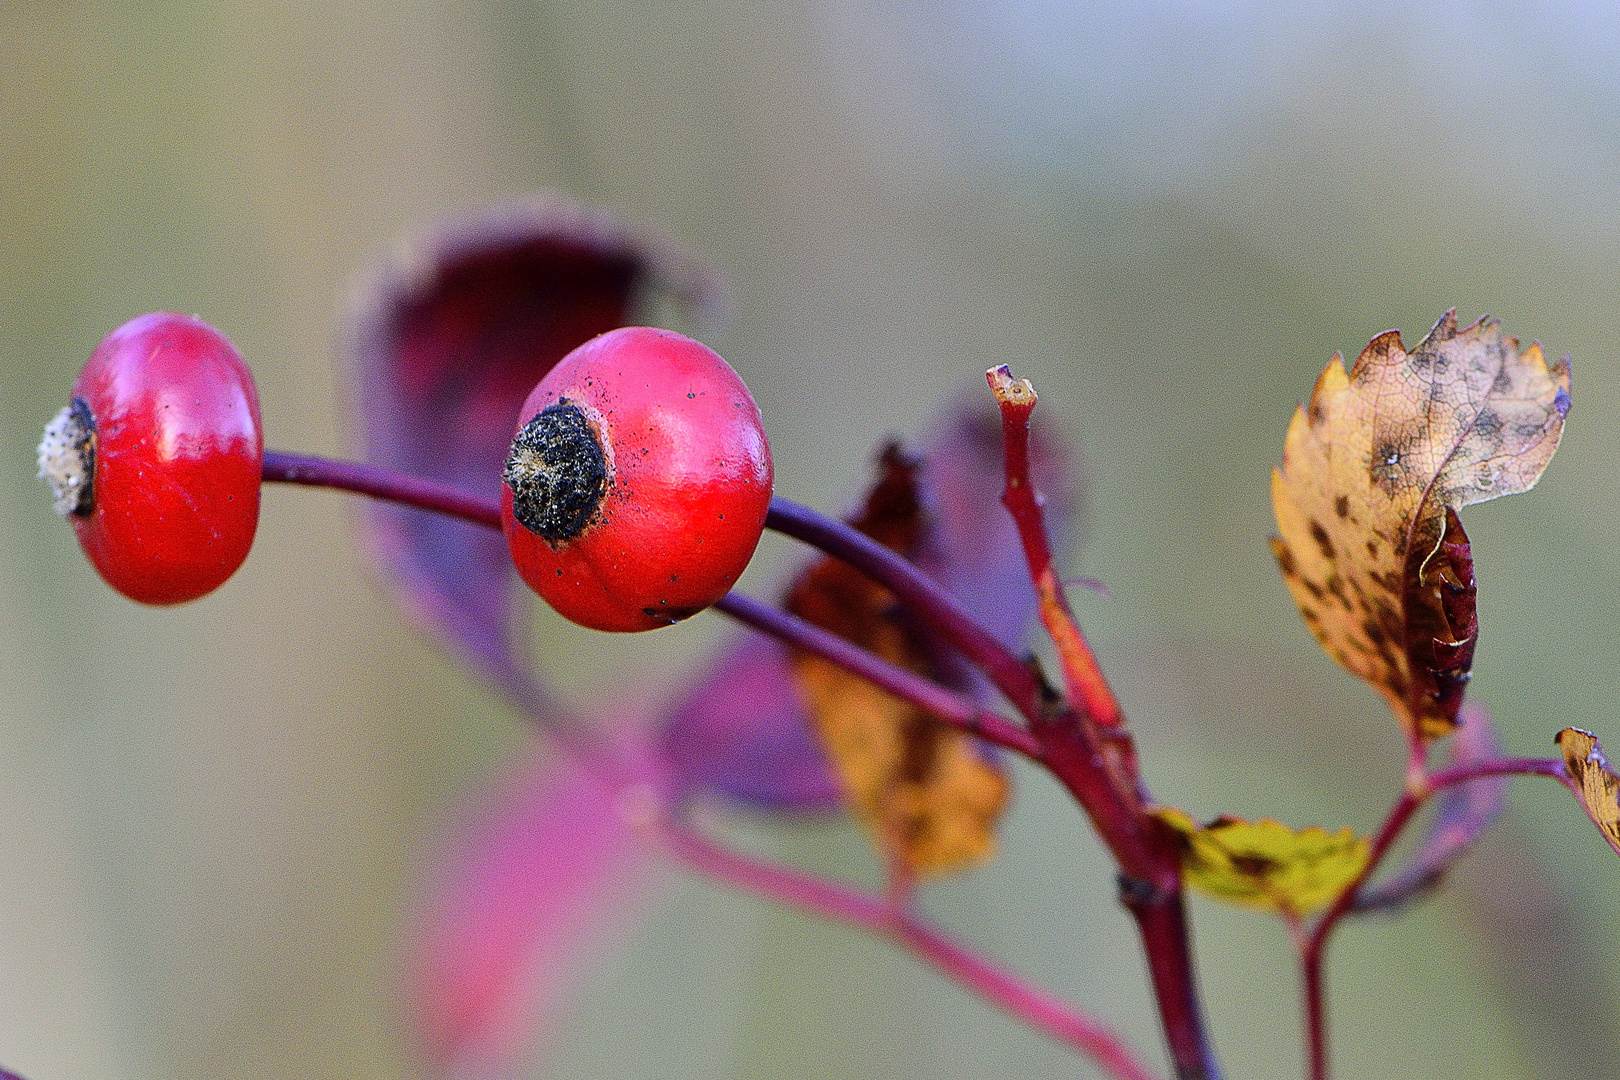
(1375, 467)
(1595, 777)
(929, 795)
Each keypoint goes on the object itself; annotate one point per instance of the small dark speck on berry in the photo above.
(689, 394)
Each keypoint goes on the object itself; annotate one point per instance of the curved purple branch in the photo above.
(927, 600)
(418, 491)
(955, 709)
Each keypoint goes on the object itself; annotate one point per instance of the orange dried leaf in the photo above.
(1595, 777)
(1265, 864)
(928, 794)
(1375, 467)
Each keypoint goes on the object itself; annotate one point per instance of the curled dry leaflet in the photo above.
(518, 433)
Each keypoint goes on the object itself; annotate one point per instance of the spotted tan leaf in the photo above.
(1265, 864)
(1375, 467)
(1598, 783)
(928, 794)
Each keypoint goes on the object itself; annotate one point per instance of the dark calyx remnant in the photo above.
(557, 473)
(67, 459)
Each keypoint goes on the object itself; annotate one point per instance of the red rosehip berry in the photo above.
(639, 481)
(157, 460)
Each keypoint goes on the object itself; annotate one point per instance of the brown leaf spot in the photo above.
(1285, 558)
(1487, 425)
(1320, 535)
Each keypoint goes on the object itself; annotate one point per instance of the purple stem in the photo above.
(1040, 1010)
(955, 709)
(433, 495)
(1315, 947)
(382, 483)
(833, 537)
(1552, 768)
(926, 599)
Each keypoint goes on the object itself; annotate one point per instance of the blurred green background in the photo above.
(211, 817)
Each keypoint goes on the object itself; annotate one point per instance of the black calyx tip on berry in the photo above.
(67, 459)
(557, 473)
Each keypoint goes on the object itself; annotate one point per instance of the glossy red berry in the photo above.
(639, 481)
(157, 461)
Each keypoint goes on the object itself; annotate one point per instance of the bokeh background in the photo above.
(211, 818)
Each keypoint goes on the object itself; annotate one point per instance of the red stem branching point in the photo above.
(840, 904)
(1419, 790)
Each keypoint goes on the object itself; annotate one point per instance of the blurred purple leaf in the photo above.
(1465, 812)
(742, 732)
(552, 857)
(447, 338)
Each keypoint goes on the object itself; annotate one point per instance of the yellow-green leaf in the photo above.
(1266, 864)
(1374, 468)
(1599, 786)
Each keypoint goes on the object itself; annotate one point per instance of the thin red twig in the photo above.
(1080, 669)
(840, 904)
(503, 672)
(1420, 789)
